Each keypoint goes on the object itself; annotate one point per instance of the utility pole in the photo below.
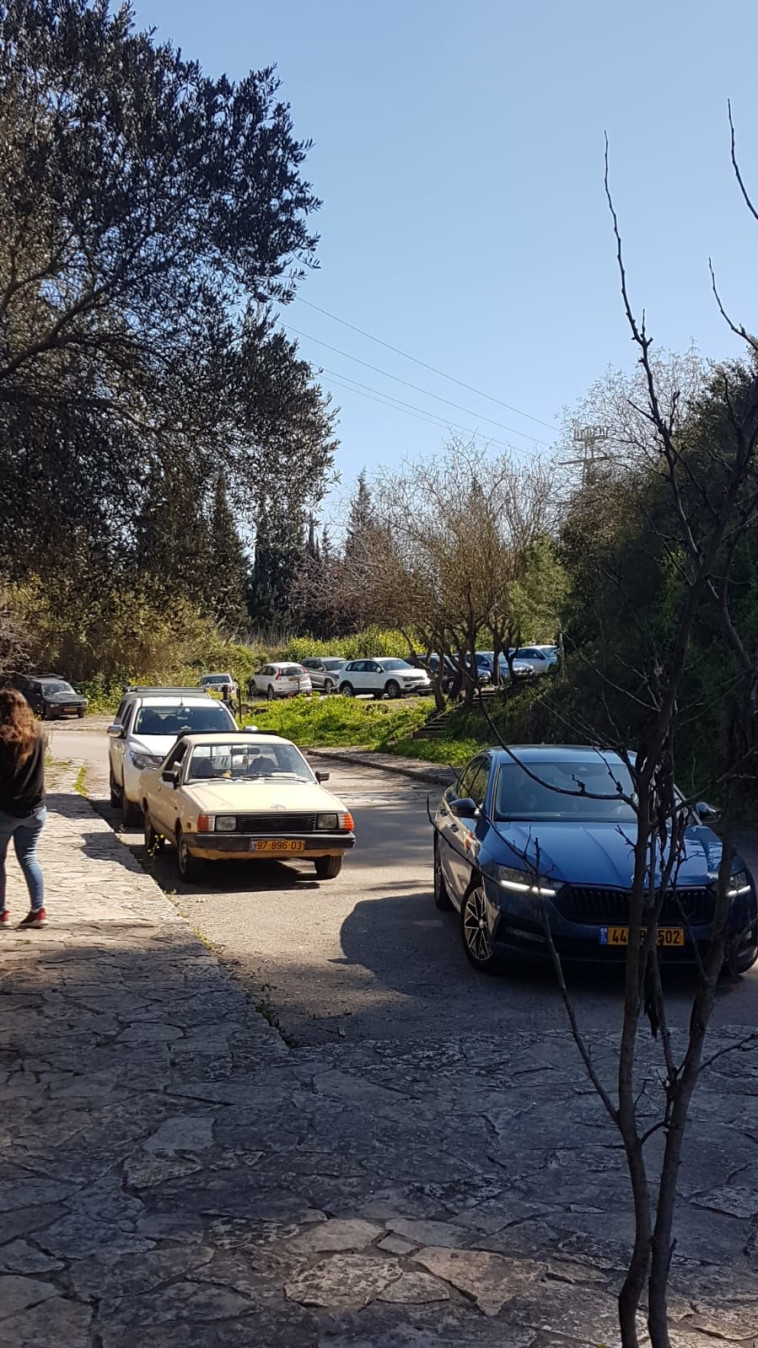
(588, 438)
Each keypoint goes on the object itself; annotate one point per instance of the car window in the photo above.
(564, 790)
(466, 778)
(176, 755)
(334, 664)
(236, 762)
(357, 666)
(374, 667)
(478, 788)
(291, 671)
(180, 718)
(394, 664)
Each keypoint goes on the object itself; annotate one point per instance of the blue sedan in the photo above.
(517, 846)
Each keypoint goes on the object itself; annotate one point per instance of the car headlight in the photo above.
(328, 822)
(145, 760)
(739, 883)
(226, 823)
(521, 882)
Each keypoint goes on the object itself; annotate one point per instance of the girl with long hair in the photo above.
(22, 800)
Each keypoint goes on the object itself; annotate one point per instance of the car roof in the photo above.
(218, 675)
(245, 737)
(162, 690)
(554, 753)
(185, 699)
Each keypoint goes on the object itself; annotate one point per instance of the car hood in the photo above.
(158, 745)
(269, 794)
(600, 853)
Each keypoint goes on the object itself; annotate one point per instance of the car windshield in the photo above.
(333, 664)
(217, 678)
(57, 686)
(292, 671)
(396, 664)
(179, 720)
(237, 762)
(519, 796)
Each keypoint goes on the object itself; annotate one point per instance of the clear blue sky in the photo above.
(458, 151)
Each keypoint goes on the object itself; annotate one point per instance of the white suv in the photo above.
(383, 678)
(147, 725)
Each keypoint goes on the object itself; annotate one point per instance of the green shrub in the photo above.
(372, 642)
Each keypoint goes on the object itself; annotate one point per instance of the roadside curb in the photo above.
(401, 767)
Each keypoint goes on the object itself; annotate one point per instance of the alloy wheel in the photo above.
(476, 936)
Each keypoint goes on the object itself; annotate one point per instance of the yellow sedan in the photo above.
(245, 796)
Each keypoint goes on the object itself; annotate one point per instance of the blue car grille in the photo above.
(276, 823)
(609, 907)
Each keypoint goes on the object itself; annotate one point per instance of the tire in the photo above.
(327, 868)
(328, 687)
(154, 842)
(347, 690)
(131, 814)
(190, 868)
(80, 714)
(392, 688)
(474, 933)
(115, 790)
(270, 694)
(441, 897)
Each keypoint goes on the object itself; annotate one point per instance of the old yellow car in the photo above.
(243, 796)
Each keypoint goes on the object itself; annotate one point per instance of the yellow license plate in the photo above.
(667, 936)
(276, 845)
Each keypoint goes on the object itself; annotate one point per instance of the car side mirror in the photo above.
(170, 776)
(464, 808)
(705, 812)
(116, 731)
(322, 776)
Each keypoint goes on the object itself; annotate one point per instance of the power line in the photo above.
(416, 387)
(406, 355)
(408, 409)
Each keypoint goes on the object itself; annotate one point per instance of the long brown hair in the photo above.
(18, 725)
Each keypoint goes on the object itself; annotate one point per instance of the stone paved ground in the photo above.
(172, 1174)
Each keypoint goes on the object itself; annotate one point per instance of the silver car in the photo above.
(325, 671)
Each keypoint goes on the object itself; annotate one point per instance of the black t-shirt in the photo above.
(22, 789)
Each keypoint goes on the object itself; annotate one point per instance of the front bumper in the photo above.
(237, 846)
(517, 926)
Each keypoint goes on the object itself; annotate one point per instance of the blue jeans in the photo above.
(25, 833)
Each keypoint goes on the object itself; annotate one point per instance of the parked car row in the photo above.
(385, 676)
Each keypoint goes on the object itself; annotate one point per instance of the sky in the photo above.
(458, 151)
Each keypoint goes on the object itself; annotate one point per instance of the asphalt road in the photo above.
(367, 956)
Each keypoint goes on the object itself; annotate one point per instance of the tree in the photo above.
(699, 505)
(149, 216)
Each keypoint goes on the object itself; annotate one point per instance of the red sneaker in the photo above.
(5, 918)
(32, 919)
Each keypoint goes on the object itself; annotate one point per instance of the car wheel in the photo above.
(153, 841)
(115, 790)
(80, 713)
(270, 694)
(441, 896)
(327, 868)
(328, 687)
(131, 814)
(190, 868)
(347, 690)
(392, 688)
(477, 941)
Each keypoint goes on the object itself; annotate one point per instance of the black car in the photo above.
(50, 696)
(451, 671)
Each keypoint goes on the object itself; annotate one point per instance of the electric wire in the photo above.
(425, 365)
